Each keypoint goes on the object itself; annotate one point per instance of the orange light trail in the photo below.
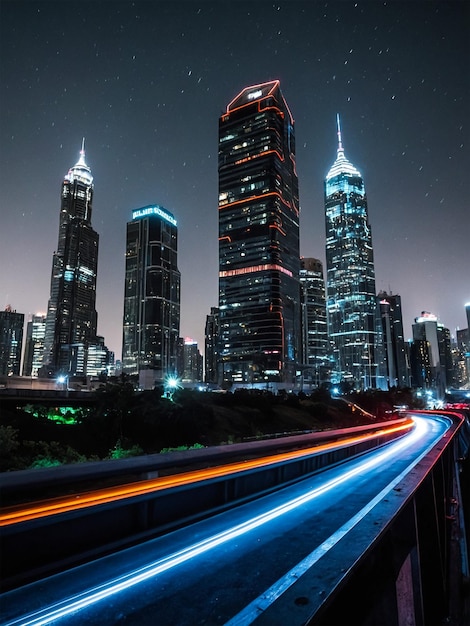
(56, 506)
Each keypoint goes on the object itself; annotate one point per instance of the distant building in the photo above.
(259, 312)
(350, 278)
(211, 337)
(11, 341)
(431, 355)
(395, 365)
(316, 364)
(99, 358)
(151, 296)
(193, 363)
(71, 321)
(34, 345)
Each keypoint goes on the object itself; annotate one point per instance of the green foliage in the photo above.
(120, 452)
(196, 446)
(122, 422)
(8, 440)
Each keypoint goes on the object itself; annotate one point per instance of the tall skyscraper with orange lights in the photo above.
(259, 313)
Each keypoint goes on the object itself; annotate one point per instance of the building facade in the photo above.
(151, 296)
(211, 348)
(11, 341)
(351, 295)
(34, 345)
(395, 366)
(432, 355)
(259, 312)
(193, 362)
(316, 364)
(71, 321)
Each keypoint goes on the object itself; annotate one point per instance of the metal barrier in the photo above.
(31, 549)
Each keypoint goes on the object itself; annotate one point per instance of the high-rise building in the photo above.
(34, 345)
(151, 296)
(315, 342)
(396, 369)
(192, 362)
(211, 338)
(11, 341)
(351, 295)
(71, 321)
(432, 361)
(258, 239)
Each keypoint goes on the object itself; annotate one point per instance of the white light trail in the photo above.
(263, 601)
(98, 593)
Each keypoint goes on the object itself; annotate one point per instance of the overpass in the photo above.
(394, 552)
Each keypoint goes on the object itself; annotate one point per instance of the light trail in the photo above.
(268, 597)
(101, 592)
(56, 506)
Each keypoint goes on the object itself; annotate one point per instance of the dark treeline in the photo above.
(123, 422)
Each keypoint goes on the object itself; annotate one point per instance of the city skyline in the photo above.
(145, 84)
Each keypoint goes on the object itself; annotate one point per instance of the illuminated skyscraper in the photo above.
(258, 239)
(34, 345)
(431, 354)
(351, 299)
(315, 343)
(151, 296)
(71, 315)
(396, 370)
(211, 346)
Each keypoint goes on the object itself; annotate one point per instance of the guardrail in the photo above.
(411, 568)
(40, 546)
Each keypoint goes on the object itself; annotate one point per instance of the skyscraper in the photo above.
(258, 239)
(151, 296)
(351, 299)
(315, 343)
(432, 357)
(396, 370)
(34, 345)
(211, 348)
(71, 321)
(11, 341)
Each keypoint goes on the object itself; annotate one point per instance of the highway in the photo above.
(231, 567)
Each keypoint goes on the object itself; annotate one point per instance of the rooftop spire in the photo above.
(80, 171)
(341, 165)
(338, 130)
(81, 160)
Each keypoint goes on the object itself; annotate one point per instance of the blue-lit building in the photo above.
(350, 279)
(316, 364)
(34, 345)
(71, 321)
(393, 364)
(259, 313)
(151, 296)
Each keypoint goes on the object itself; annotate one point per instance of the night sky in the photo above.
(145, 84)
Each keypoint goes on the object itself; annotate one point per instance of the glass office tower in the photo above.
(71, 315)
(395, 367)
(259, 313)
(316, 364)
(351, 299)
(34, 345)
(151, 296)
